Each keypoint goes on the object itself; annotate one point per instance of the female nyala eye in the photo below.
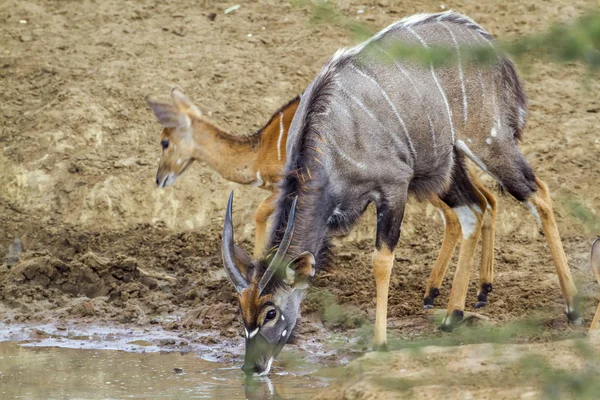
(164, 143)
(270, 315)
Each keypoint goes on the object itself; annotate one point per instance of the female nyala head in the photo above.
(177, 137)
(270, 293)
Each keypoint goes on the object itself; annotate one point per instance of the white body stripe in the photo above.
(369, 113)
(280, 136)
(460, 72)
(387, 98)
(442, 215)
(342, 153)
(462, 146)
(438, 85)
(479, 38)
(467, 219)
(416, 88)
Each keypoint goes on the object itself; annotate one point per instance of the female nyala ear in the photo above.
(300, 270)
(183, 103)
(169, 115)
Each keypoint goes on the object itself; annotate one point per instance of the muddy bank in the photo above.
(485, 371)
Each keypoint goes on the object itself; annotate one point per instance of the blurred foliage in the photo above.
(591, 222)
(332, 313)
(557, 382)
(577, 41)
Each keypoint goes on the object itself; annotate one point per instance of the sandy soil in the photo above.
(102, 244)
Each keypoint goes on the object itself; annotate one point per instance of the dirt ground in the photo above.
(102, 244)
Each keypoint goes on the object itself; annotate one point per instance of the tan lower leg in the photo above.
(264, 210)
(383, 260)
(460, 284)
(543, 205)
(488, 229)
(451, 237)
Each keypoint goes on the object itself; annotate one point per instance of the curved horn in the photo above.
(228, 251)
(284, 245)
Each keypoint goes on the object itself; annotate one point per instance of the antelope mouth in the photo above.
(169, 179)
(267, 369)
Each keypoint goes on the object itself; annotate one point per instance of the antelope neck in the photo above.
(233, 157)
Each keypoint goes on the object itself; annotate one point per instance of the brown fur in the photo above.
(251, 304)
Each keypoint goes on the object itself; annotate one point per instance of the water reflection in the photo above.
(42, 373)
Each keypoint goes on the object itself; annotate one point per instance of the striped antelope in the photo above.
(367, 131)
(595, 263)
(255, 159)
(188, 136)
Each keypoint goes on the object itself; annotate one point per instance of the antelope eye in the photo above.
(270, 315)
(164, 143)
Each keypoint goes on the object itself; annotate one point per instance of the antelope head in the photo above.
(177, 137)
(270, 292)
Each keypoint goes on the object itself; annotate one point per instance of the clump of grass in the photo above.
(332, 313)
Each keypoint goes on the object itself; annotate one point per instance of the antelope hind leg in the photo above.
(452, 233)
(541, 206)
(488, 229)
(469, 204)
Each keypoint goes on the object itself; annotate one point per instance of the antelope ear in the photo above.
(168, 115)
(183, 103)
(300, 270)
(243, 262)
(596, 258)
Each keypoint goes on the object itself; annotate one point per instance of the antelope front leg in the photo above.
(264, 210)
(451, 237)
(383, 261)
(488, 230)
(389, 223)
(542, 208)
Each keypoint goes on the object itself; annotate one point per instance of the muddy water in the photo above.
(67, 373)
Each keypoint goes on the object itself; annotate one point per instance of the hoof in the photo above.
(429, 300)
(573, 313)
(452, 320)
(380, 347)
(482, 296)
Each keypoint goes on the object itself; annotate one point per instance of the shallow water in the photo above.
(67, 373)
